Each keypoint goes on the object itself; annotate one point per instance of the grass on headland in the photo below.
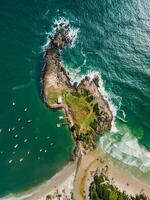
(82, 106)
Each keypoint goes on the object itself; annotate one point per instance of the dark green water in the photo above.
(113, 40)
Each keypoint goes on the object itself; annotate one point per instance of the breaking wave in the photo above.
(76, 76)
(59, 23)
(121, 143)
(125, 147)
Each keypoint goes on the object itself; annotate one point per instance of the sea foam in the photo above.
(76, 76)
(59, 23)
(125, 147)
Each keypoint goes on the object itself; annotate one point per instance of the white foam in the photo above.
(12, 197)
(107, 97)
(126, 149)
(76, 76)
(59, 23)
(18, 87)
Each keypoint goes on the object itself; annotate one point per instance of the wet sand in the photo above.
(119, 177)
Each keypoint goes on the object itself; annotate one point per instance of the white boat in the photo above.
(10, 161)
(21, 159)
(16, 146)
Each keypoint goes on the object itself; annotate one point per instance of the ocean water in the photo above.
(110, 38)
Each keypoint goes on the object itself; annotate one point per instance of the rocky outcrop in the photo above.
(56, 78)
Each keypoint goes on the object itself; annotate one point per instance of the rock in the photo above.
(96, 81)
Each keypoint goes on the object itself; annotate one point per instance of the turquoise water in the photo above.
(113, 40)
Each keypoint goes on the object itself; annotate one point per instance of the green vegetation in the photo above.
(54, 93)
(102, 189)
(49, 197)
(84, 109)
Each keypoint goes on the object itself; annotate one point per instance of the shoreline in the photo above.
(119, 177)
(86, 111)
(56, 80)
(79, 174)
(39, 192)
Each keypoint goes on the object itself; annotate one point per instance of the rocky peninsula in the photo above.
(92, 174)
(86, 111)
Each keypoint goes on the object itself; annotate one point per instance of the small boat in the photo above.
(16, 146)
(19, 119)
(51, 144)
(28, 152)
(16, 136)
(25, 109)
(25, 140)
(29, 121)
(13, 129)
(10, 161)
(45, 150)
(22, 127)
(1, 130)
(41, 150)
(21, 159)
(13, 103)
(61, 117)
(9, 129)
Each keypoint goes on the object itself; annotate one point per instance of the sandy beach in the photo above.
(77, 176)
(63, 180)
(119, 177)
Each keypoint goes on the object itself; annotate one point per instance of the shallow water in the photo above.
(112, 39)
